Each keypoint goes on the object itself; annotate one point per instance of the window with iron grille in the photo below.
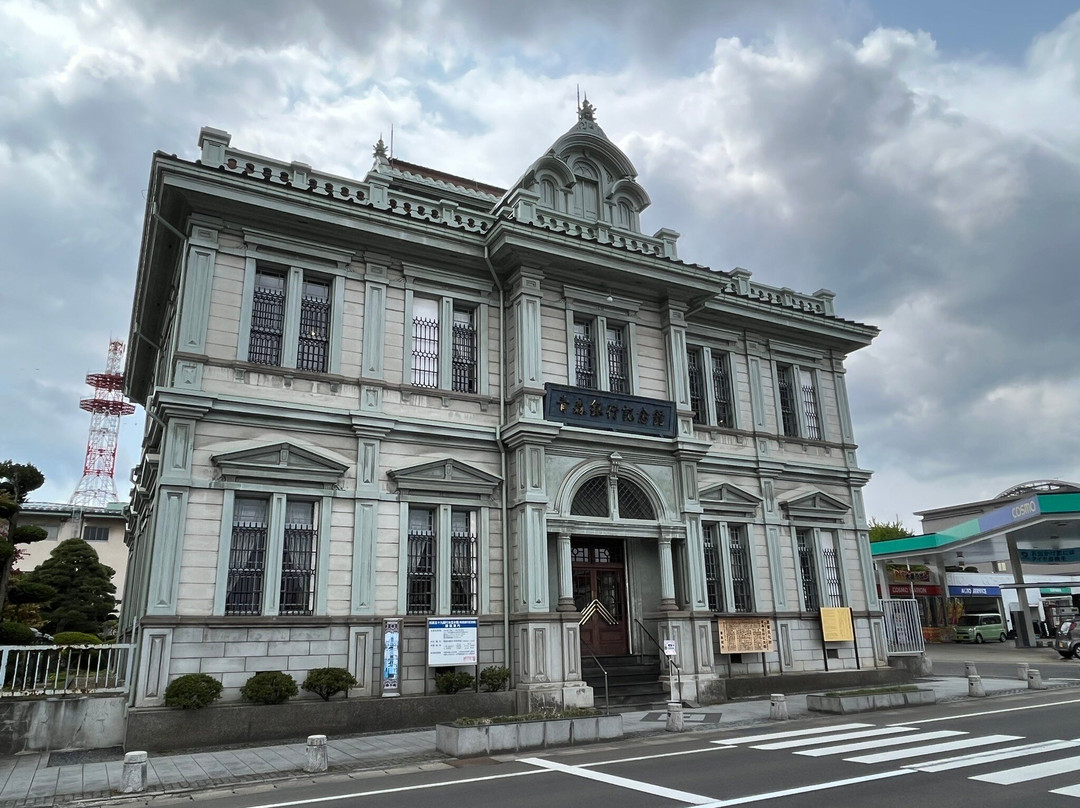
(830, 568)
(298, 556)
(721, 383)
(810, 407)
(591, 498)
(313, 347)
(425, 343)
(799, 414)
(464, 350)
(463, 563)
(618, 360)
(95, 533)
(804, 540)
(786, 387)
(247, 557)
(697, 384)
(714, 590)
(420, 583)
(742, 592)
(584, 354)
(633, 501)
(267, 318)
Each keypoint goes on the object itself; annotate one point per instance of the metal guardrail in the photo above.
(607, 697)
(54, 670)
(903, 628)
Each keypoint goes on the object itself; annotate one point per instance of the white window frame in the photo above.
(443, 583)
(275, 546)
(722, 546)
(446, 304)
(600, 325)
(818, 539)
(708, 392)
(799, 372)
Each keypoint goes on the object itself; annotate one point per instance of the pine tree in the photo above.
(83, 585)
(17, 481)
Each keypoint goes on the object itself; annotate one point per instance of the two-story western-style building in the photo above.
(413, 395)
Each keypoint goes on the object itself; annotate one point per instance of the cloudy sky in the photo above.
(919, 158)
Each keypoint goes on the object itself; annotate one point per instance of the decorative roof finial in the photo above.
(380, 148)
(587, 112)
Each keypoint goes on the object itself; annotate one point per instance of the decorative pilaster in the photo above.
(566, 583)
(667, 576)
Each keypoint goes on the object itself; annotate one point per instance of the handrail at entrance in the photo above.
(670, 660)
(607, 699)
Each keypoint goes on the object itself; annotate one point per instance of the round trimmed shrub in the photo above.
(76, 638)
(17, 634)
(494, 678)
(192, 691)
(453, 681)
(326, 682)
(269, 687)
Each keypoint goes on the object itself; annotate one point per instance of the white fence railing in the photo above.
(51, 670)
(903, 628)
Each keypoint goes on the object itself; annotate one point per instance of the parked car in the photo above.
(1067, 639)
(980, 628)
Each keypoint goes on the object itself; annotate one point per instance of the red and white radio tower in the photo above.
(97, 487)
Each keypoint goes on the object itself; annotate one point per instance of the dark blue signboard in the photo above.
(1017, 512)
(612, 411)
(968, 591)
(1047, 555)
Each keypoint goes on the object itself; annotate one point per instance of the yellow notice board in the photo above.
(743, 636)
(836, 624)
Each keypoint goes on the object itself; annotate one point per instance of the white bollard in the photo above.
(969, 669)
(1035, 681)
(778, 707)
(1021, 671)
(315, 754)
(133, 776)
(975, 686)
(675, 721)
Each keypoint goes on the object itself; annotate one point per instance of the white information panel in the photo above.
(451, 641)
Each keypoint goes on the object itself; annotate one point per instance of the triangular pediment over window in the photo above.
(729, 499)
(283, 463)
(813, 504)
(447, 477)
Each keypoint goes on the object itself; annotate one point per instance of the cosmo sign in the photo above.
(1002, 517)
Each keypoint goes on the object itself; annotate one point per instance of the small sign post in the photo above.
(391, 685)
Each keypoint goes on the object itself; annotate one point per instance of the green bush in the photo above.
(452, 681)
(494, 678)
(76, 638)
(16, 634)
(192, 691)
(269, 687)
(326, 682)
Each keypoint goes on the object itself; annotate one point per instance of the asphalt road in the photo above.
(1000, 753)
(999, 659)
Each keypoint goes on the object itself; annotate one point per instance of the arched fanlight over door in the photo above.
(633, 502)
(591, 498)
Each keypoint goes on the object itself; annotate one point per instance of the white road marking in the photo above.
(772, 736)
(844, 748)
(990, 712)
(842, 736)
(932, 749)
(979, 758)
(621, 782)
(654, 757)
(789, 792)
(1068, 791)
(1033, 772)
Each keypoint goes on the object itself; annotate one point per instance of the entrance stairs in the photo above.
(633, 681)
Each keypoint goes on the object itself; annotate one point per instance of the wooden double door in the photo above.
(599, 574)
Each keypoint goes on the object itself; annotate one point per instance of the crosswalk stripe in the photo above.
(843, 736)
(1068, 791)
(932, 749)
(844, 748)
(1022, 774)
(790, 734)
(979, 758)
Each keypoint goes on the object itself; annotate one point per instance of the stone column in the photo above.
(667, 576)
(566, 582)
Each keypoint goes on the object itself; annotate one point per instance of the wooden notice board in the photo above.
(836, 624)
(745, 636)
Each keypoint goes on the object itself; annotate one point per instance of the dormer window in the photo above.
(586, 192)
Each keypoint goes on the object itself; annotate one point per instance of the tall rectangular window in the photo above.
(713, 569)
(697, 385)
(298, 558)
(830, 573)
(420, 583)
(810, 406)
(798, 402)
(804, 541)
(464, 350)
(247, 557)
(585, 354)
(721, 383)
(463, 562)
(267, 318)
(425, 343)
(618, 360)
(739, 556)
(313, 348)
(786, 386)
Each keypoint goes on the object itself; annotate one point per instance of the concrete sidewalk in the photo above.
(29, 780)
